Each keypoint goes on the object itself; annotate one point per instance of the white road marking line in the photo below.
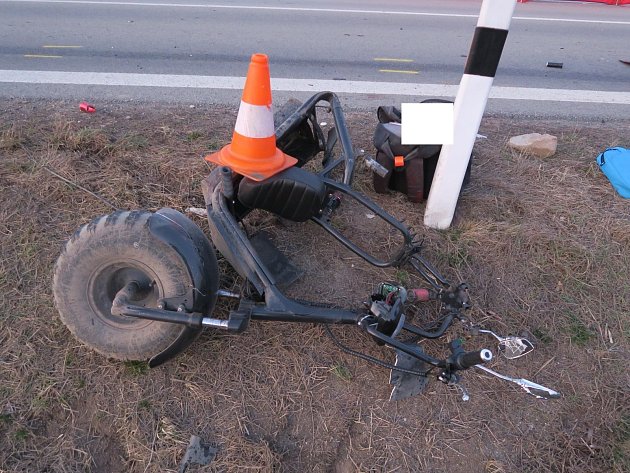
(317, 10)
(306, 85)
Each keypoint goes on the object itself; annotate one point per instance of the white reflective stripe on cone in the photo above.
(496, 14)
(255, 121)
(451, 167)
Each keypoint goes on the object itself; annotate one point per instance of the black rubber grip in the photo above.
(467, 360)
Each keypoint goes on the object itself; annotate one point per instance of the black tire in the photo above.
(301, 143)
(285, 111)
(97, 261)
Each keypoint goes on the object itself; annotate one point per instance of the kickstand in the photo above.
(406, 384)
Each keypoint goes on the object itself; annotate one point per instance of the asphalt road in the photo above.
(398, 42)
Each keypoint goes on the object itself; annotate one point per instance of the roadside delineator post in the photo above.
(483, 59)
(253, 152)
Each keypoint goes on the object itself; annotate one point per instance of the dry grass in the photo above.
(544, 245)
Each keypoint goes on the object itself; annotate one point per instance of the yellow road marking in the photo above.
(53, 46)
(389, 59)
(398, 71)
(41, 56)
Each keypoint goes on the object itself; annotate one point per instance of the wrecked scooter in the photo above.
(137, 285)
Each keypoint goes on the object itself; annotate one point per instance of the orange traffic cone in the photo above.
(253, 151)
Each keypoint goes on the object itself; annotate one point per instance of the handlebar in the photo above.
(463, 361)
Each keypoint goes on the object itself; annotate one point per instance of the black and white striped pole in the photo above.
(483, 59)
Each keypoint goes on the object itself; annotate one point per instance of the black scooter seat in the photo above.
(294, 194)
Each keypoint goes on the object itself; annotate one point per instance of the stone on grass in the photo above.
(539, 145)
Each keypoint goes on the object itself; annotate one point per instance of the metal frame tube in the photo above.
(340, 123)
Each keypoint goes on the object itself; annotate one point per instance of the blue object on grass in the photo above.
(615, 164)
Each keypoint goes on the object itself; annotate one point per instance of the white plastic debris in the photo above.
(197, 211)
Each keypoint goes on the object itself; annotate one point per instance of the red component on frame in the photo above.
(421, 295)
(86, 107)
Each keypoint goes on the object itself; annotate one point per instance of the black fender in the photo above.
(187, 239)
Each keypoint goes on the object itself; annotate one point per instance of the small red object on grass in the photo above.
(86, 107)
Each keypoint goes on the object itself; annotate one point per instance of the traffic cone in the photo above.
(253, 152)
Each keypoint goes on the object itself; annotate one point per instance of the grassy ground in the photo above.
(543, 244)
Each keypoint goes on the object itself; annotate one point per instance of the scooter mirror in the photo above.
(537, 390)
(540, 392)
(515, 347)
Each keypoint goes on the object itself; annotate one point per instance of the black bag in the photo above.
(410, 167)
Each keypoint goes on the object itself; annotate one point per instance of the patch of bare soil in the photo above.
(543, 244)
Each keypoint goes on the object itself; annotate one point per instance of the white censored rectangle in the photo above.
(427, 124)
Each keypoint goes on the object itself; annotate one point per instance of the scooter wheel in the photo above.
(99, 260)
